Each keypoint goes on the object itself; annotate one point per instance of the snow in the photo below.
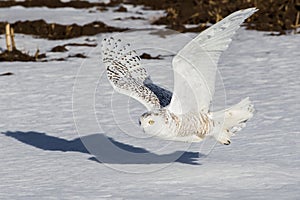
(42, 156)
(68, 16)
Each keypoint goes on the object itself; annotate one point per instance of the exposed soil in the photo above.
(81, 44)
(59, 48)
(121, 9)
(149, 57)
(274, 16)
(279, 15)
(78, 55)
(7, 74)
(131, 18)
(55, 31)
(62, 48)
(17, 55)
(57, 4)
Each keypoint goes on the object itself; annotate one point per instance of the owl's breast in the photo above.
(198, 124)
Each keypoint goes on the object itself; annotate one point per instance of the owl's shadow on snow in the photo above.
(105, 149)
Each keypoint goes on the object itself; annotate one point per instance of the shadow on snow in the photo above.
(105, 149)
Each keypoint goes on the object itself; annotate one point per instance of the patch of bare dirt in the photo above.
(62, 48)
(81, 44)
(59, 48)
(279, 15)
(56, 31)
(149, 57)
(57, 4)
(78, 55)
(130, 18)
(121, 9)
(7, 74)
(16, 55)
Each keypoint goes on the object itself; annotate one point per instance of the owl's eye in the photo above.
(151, 122)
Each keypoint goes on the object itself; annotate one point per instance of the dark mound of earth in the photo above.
(149, 57)
(7, 74)
(55, 31)
(57, 4)
(62, 48)
(16, 55)
(275, 16)
(279, 15)
(59, 48)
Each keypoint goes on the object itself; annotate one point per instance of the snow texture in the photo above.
(42, 156)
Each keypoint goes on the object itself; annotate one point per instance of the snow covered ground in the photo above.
(82, 16)
(42, 156)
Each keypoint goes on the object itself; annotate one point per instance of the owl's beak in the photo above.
(140, 122)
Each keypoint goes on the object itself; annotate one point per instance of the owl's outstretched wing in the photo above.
(196, 64)
(125, 73)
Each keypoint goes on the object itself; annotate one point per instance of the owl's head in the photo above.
(153, 122)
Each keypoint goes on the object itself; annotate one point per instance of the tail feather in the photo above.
(232, 120)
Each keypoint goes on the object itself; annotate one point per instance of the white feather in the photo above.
(125, 73)
(187, 117)
(196, 64)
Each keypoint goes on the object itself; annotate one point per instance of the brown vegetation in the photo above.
(273, 15)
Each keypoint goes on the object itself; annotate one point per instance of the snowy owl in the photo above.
(176, 117)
